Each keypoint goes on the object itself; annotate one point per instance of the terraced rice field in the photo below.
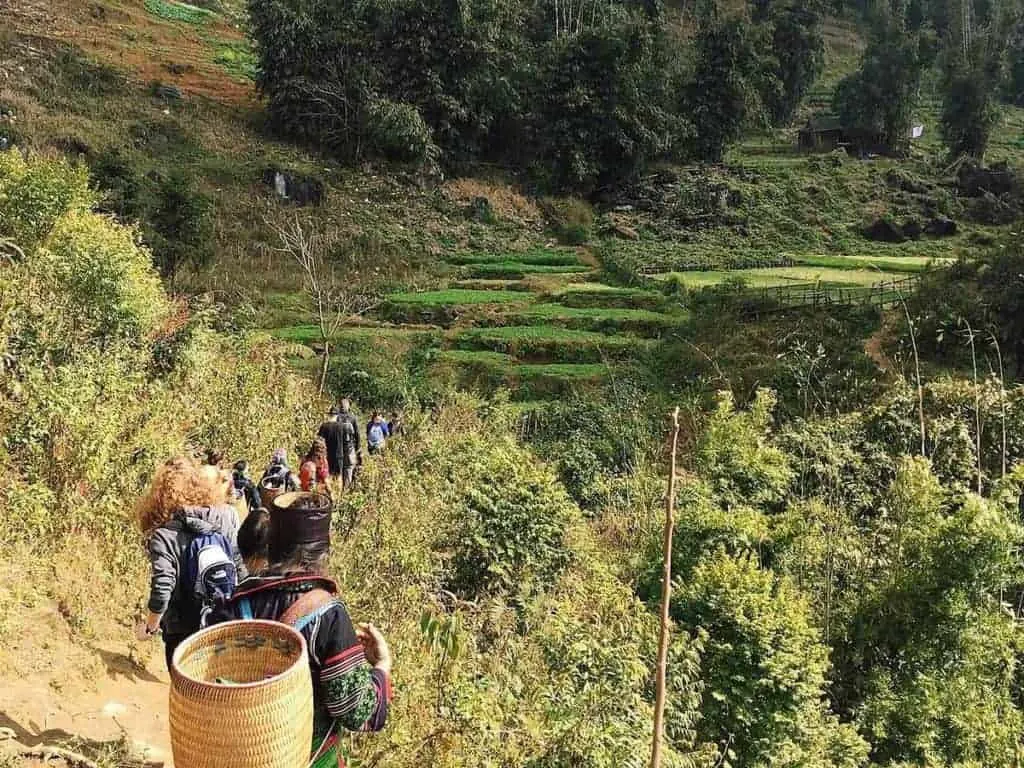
(543, 323)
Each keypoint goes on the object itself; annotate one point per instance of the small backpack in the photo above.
(376, 436)
(210, 574)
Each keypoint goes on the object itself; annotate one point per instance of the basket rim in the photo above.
(282, 500)
(187, 643)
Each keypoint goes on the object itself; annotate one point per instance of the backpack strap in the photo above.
(306, 608)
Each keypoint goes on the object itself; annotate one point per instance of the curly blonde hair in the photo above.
(178, 483)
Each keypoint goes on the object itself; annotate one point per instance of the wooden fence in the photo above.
(784, 297)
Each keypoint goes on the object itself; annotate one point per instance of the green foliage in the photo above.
(876, 103)
(85, 413)
(455, 297)
(736, 457)
(33, 196)
(510, 522)
(603, 106)
(764, 668)
(175, 11)
(563, 257)
(582, 101)
(969, 103)
(102, 278)
(799, 49)
(238, 59)
(722, 96)
(176, 219)
(180, 224)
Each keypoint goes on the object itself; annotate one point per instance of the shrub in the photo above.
(34, 195)
(764, 668)
(179, 227)
(736, 457)
(509, 522)
(398, 132)
(103, 279)
(581, 472)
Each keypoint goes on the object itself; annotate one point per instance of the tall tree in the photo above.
(877, 101)
(972, 75)
(799, 53)
(722, 97)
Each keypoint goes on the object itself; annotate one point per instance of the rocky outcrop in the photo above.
(294, 187)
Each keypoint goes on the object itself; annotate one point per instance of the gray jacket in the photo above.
(167, 547)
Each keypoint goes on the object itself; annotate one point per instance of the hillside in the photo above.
(841, 333)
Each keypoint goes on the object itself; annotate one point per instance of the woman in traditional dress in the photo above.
(351, 665)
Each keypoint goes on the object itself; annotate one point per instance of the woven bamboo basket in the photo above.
(242, 697)
(267, 495)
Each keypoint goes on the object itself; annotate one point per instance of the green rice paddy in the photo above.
(456, 297)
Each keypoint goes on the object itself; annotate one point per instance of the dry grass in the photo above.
(124, 35)
(506, 202)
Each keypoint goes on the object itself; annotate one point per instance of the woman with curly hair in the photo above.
(183, 502)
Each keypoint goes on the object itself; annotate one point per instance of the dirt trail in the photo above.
(874, 348)
(87, 697)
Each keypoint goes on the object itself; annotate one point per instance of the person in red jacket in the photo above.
(314, 471)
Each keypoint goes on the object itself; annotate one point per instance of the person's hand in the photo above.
(375, 647)
(148, 627)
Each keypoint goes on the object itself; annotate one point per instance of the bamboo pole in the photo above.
(666, 594)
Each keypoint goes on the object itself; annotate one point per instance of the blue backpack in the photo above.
(209, 571)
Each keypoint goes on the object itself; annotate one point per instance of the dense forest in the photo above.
(535, 229)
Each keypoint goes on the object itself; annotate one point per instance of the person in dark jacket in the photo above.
(278, 474)
(351, 666)
(341, 433)
(183, 502)
(351, 447)
(244, 486)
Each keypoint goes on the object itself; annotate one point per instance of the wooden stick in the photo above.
(666, 595)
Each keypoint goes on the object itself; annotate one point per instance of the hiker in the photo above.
(396, 426)
(351, 449)
(278, 475)
(341, 433)
(376, 433)
(244, 486)
(314, 470)
(253, 539)
(351, 665)
(184, 514)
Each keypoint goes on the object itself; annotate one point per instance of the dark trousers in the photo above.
(171, 642)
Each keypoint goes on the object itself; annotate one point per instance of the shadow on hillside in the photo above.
(120, 666)
(31, 737)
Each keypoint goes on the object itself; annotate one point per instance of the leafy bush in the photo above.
(101, 278)
(180, 224)
(399, 132)
(764, 668)
(176, 218)
(736, 457)
(33, 196)
(510, 519)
